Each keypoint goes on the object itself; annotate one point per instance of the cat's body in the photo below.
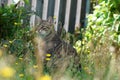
(62, 54)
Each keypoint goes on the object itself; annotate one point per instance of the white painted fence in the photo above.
(69, 12)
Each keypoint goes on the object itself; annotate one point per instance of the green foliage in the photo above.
(104, 20)
(13, 31)
(11, 21)
(102, 34)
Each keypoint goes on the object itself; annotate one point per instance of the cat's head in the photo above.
(44, 28)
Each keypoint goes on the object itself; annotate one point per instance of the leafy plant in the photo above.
(11, 21)
(101, 41)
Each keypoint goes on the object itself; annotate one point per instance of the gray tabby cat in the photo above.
(62, 55)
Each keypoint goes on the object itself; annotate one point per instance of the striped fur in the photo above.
(62, 54)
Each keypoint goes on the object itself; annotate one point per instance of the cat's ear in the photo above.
(38, 20)
(50, 19)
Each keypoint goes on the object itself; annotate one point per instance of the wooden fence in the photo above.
(71, 13)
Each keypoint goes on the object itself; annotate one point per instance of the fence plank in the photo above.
(3, 2)
(39, 8)
(33, 8)
(62, 10)
(0, 3)
(22, 3)
(78, 13)
(51, 6)
(87, 11)
(67, 15)
(9, 2)
(45, 9)
(61, 14)
(56, 13)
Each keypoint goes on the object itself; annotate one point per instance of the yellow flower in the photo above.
(16, 63)
(45, 77)
(47, 59)
(83, 42)
(20, 58)
(21, 75)
(15, 23)
(88, 51)
(5, 45)
(86, 68)
(48, 55)
(7, 72)
(35, 66)
(54, 17)
(1, 52)
(10, 42)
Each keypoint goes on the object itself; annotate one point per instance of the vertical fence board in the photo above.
(39, 8)
(9, 2)
(87, 11)
(51, 6)
(0, 3)
(22, 3)
(3, 2)
(70, 12)
(33, 5)
(78, 13)
(72, 16)
(67, 15)
(62, 11)
(33, 8)
(56, 13)
(83, 12)
(45, 9)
